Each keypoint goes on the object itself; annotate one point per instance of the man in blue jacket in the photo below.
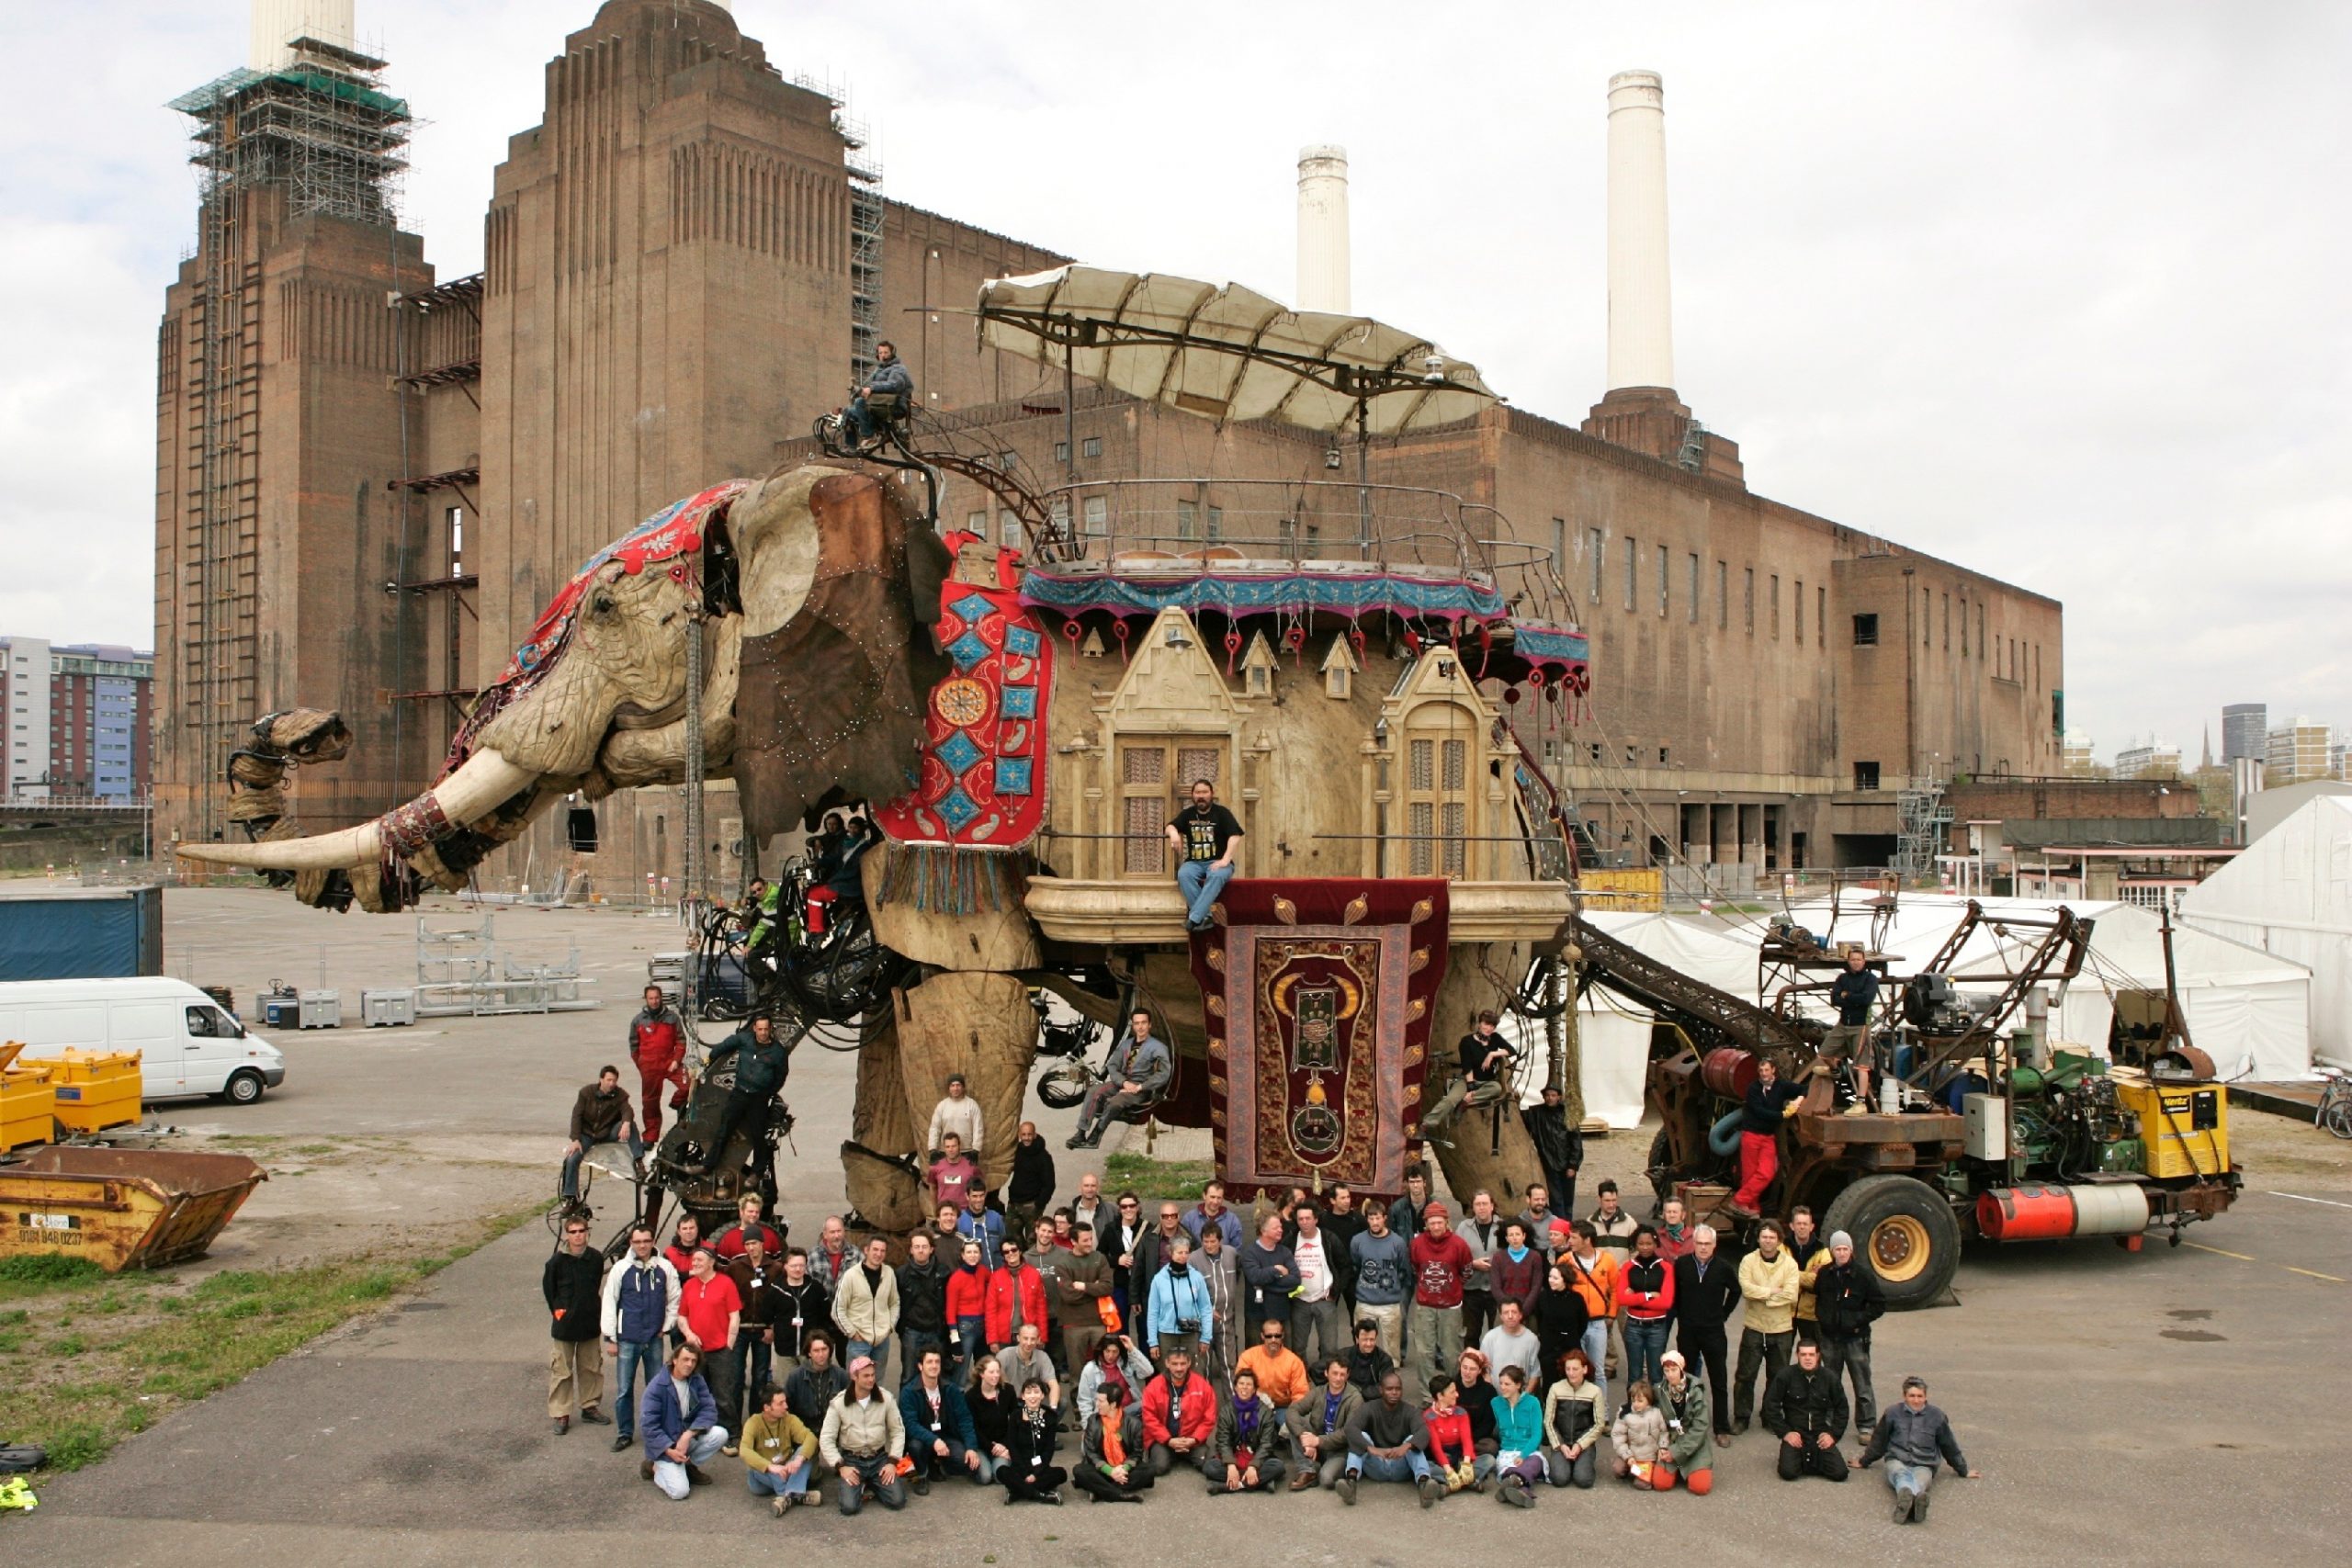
(762, 1064)
(1911, 1438)
(941, 1438)
(639, 1308)
(679, 1423)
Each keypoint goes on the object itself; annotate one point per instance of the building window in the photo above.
(1010, 531)
(1005, 460)
(1059, 512)
(1947, 623)
(1926, 618)
(1594, 549)
(1963, 628)
(1633, 572)
(1661, 578)
(1061, 451)
(1866, 776)
(976, 523)
(1800, 609)
(1980, 631)
(1866, 631)
(1592, 751)
(1751, 597)
(1098, 516)
(1633, 753)
(1662, 756)
(1776, 606)
(1216, 524)
(1691, 609)
(1188, 520)
(1722, 596)
(1820, 616)
(1091, 447)
(452, 521)
(1560, 547)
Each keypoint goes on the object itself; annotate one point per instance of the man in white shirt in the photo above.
(1319, 1319)
(958, 1113)
(1510, 1343)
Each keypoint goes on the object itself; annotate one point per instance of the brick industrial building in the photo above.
(370, 479)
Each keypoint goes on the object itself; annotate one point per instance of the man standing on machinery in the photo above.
(761, 1065)
(657, 1044)
(1854, 993)
(1767, 1103)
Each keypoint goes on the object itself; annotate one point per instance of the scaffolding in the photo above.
(866, 209)
(321, 131)
(1922, 815)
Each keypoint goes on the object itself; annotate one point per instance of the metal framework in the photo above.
(321, 135)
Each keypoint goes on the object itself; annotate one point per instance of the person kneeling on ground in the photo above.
(1111, 1466)
(779, 1453)
(1179, 1413)
(1029, 1472)
(1690, 1430)
(1388, 1442)
(1242, 1456)
(863, 1441)
(1319, 1425)
(1911, 1438)
(679, 1421)
(1805, 1408)
(1640, 1439)
(1519, 1438)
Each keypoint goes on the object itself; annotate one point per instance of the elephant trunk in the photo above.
(485, 782)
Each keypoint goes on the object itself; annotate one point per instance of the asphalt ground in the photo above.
(2151, 1408)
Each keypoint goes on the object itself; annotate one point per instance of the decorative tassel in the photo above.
(941, 879)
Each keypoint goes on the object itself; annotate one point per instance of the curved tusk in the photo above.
(485, 782)
(325, 851)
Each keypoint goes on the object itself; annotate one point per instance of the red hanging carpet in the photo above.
(1319, 993)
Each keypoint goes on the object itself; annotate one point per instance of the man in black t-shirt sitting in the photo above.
(1206, 835)
(1485, 1058)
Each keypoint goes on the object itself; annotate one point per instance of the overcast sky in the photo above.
(2053, 291)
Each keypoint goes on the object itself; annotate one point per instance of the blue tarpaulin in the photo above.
(77, 933)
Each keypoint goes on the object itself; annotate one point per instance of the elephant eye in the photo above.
(601, 604)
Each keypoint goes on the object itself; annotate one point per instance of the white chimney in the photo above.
(276, 23)
(1323, 230)
(1641, 317)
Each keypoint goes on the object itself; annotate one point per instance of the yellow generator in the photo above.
(96, 1090)
(2184, 1125)
(28, 1103)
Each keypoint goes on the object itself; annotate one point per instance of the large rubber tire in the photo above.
(1904, 1231)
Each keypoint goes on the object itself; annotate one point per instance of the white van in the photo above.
(187, 1045)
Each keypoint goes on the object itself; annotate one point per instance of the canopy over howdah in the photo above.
(1229, 353)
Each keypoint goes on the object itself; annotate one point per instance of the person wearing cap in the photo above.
(1847, 1301)
(1486, 1058)
(1690, 1427)
(957, 1112)
(1559, 1146)
(1911, 1438)
(862, 1439)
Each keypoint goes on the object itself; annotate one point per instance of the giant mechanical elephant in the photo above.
(817, 600)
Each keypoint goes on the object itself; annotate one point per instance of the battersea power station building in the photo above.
(370, 478)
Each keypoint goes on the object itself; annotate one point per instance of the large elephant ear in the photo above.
(837, 658)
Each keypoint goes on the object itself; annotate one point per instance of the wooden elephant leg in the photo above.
(887, 1194)
(983, 1026)
(1491, 1153)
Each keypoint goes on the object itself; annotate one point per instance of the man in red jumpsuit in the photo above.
(657, 1042)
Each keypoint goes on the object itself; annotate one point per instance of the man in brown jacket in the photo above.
(1080, 1288)
(600, 1114)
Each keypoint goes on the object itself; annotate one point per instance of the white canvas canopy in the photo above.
(1229, 353)
(1615, 1034)
(2289, 893)
(2246, 1009)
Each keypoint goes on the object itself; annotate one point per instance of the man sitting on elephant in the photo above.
(761, 1067)
(1135, 1075)
(885, 398)
(1206, 835)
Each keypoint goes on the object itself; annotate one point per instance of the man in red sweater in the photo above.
(1645, 1304)
(1179, 1414)
(657, 1044)
(1433, 1322)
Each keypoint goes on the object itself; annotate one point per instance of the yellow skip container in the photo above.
(28, 1103)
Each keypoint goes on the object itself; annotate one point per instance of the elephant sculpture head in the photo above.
(816, 600)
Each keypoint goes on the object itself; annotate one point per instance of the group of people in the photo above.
(1310, 1343)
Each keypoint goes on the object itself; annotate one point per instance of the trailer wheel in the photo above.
(1905, 1232)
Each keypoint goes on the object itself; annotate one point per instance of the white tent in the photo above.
(1614, 1036)
(2289, 893)
(2247, 1010)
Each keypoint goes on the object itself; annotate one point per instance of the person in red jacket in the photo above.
(1645, 1301)
(657, 1044)
(1454, 1460)
(968, 1309)
(681, 1250)
(1016, 1295)
(1179, 1413)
